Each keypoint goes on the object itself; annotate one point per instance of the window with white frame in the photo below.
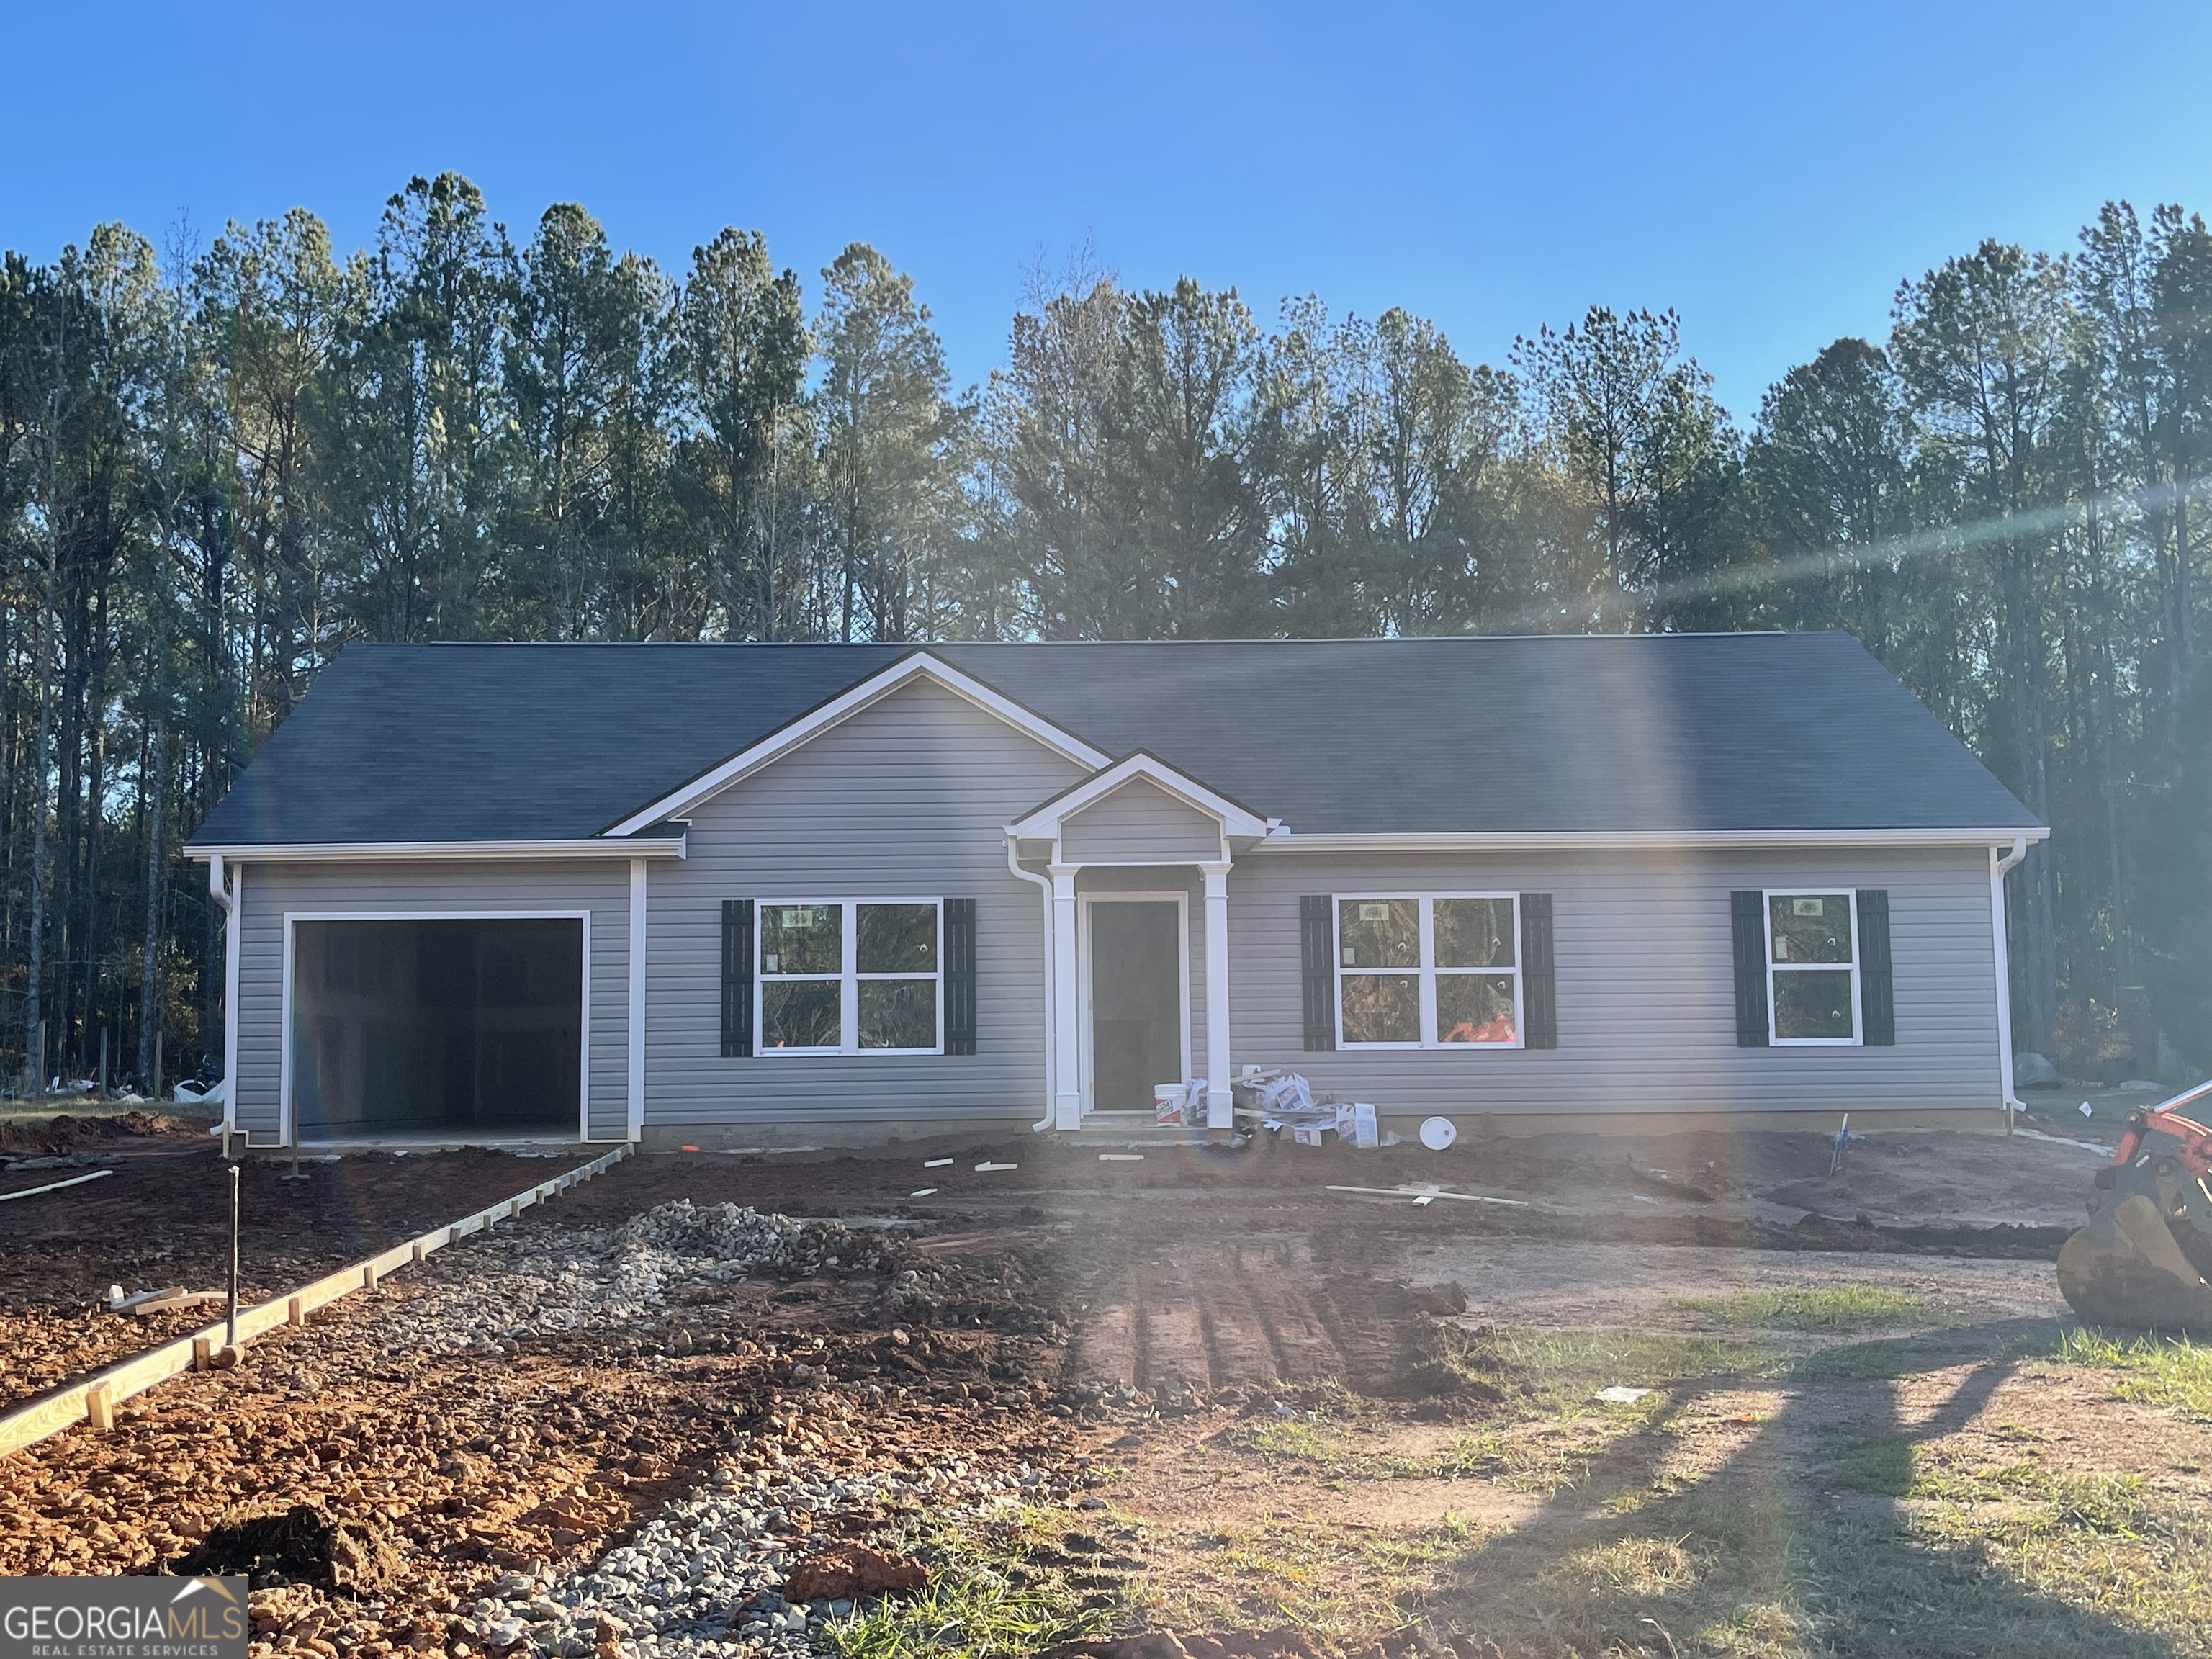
(1813, 967)
(847, 977)
(1428, 971)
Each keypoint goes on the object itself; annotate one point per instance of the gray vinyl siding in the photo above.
(908, 798)
(270, 891)
(1646, 984)
(1140, 822)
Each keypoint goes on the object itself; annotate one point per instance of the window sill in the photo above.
(1422, 1047)
(846, 1053)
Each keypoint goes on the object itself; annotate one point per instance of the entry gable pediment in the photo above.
(1141, 783)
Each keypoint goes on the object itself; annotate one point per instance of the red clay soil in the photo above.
(468, 1463)
(161, 1218)
(67, 1132)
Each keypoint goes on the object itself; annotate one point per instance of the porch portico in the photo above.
(1099, 841)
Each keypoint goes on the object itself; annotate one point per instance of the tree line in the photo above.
(220, 464)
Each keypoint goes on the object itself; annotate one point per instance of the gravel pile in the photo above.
(703, 1578)
(506, 1283)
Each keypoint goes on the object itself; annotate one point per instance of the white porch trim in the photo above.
(1066, 1007)
(1220, 1112)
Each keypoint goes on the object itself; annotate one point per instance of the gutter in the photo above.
(1051, 990)
(1999, 868)
(408, 852)
(226, 894)
(1284, 840)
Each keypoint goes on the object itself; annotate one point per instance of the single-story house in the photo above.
(745, 894)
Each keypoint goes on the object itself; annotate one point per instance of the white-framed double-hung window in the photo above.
(850, 976)
(1428, 970)
(1812, 968)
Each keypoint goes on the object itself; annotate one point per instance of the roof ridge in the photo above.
(1016, 644)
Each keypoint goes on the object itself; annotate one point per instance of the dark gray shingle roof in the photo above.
(1557, 733)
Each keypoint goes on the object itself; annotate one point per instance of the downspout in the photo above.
(223, 894)
(1998, 869)
(1051, 1079)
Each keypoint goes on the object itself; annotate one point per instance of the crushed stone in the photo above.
(505, 1285)
(703, 1578)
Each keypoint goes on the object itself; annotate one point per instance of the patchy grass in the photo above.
(2026, 1523)
(995, 1591)
(1813, 1307)
(1289, 1437)
(1563, 1369)
(2155, 1370)
(1344, 1584)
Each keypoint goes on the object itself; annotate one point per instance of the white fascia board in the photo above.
(475, 852)
(1042, 823)
(1654, 840)
(777, 743)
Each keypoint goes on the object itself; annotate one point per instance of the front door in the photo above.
(1136, 1001)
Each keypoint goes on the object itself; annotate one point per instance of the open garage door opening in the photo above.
(456, 1025)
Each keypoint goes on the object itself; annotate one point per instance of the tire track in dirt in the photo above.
(1240, 1315)
(1304, 1351)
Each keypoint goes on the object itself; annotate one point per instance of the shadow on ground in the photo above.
(1813, 1536)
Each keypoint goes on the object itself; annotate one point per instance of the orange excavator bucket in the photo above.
(2144, 1258)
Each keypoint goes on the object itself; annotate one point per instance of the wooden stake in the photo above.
(99, 1407)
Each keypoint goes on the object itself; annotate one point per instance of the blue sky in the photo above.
(1771, 171)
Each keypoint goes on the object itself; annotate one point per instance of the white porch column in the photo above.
(1219, 1112)
(1067, 1004)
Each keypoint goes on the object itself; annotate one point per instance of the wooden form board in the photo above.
(93, 1397)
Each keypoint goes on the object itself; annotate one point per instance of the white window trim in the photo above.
(1851, 898)
(1428, 970)
(847, 978)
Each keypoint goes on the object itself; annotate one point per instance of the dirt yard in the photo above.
(1689, 1395)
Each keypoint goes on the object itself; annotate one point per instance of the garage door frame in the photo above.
(584, 1030)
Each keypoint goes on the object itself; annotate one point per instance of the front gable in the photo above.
(920, 668)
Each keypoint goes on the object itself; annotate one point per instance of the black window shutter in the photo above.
(960, 977)
(1317, 961)
(1540, 1004)
(1877, 986)
(1747, 917)
(737, 979)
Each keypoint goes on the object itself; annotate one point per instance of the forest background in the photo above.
(220, 463)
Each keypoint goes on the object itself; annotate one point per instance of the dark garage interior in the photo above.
(452, 1025)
